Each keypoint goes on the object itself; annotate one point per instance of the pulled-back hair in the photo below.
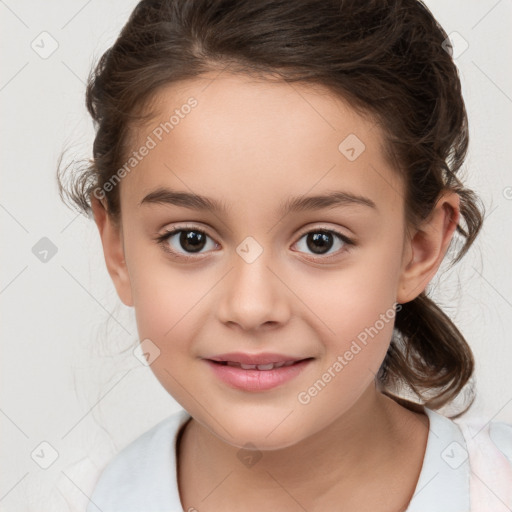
(388, 58)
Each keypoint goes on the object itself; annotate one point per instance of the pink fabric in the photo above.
(490, 469)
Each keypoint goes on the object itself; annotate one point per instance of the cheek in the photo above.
(164, 304)
(344, 302)
(362, 327)
(354, 309)
(165, 309)
(165, 298)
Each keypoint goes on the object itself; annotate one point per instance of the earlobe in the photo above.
(112, 241)
(427, 247)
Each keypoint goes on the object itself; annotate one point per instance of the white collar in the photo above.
(443, 483)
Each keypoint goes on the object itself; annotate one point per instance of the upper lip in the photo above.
(263, 358)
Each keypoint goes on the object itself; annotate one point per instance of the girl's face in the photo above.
(262, 278)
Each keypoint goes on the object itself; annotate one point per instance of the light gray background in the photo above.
(63, 380)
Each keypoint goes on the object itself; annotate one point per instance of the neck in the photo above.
(353, 454)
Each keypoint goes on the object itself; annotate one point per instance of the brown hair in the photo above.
(389, 58)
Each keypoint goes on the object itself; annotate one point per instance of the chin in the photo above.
(259, 436)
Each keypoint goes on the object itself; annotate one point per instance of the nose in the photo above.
(253, 295)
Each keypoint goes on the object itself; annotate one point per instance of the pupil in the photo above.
(321, 242)
(192, 241)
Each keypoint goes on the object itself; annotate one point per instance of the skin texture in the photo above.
(251, 144)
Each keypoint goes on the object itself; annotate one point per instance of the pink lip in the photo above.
(257, 380)
(263, 358)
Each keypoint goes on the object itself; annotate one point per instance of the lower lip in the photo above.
(257, 380)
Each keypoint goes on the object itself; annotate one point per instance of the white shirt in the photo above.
(467, 467)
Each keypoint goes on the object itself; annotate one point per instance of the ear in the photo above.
(111, 235)
(426, 247)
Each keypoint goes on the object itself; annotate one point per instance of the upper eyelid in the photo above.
(198, 227)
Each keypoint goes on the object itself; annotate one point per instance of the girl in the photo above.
(275, 185)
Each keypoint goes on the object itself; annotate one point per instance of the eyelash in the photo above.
(164, 237)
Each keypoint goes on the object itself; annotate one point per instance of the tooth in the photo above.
(265, 366)
(269, 366)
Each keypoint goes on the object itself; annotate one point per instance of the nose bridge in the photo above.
(252, 294)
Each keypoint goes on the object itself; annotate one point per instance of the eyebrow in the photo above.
(292, 204)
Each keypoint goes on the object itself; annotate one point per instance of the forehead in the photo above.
(241, 139)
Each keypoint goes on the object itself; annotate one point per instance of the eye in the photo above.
(320, 241)
(191, 240)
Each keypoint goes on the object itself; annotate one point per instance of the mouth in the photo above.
(262, 367)
(261, 377)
